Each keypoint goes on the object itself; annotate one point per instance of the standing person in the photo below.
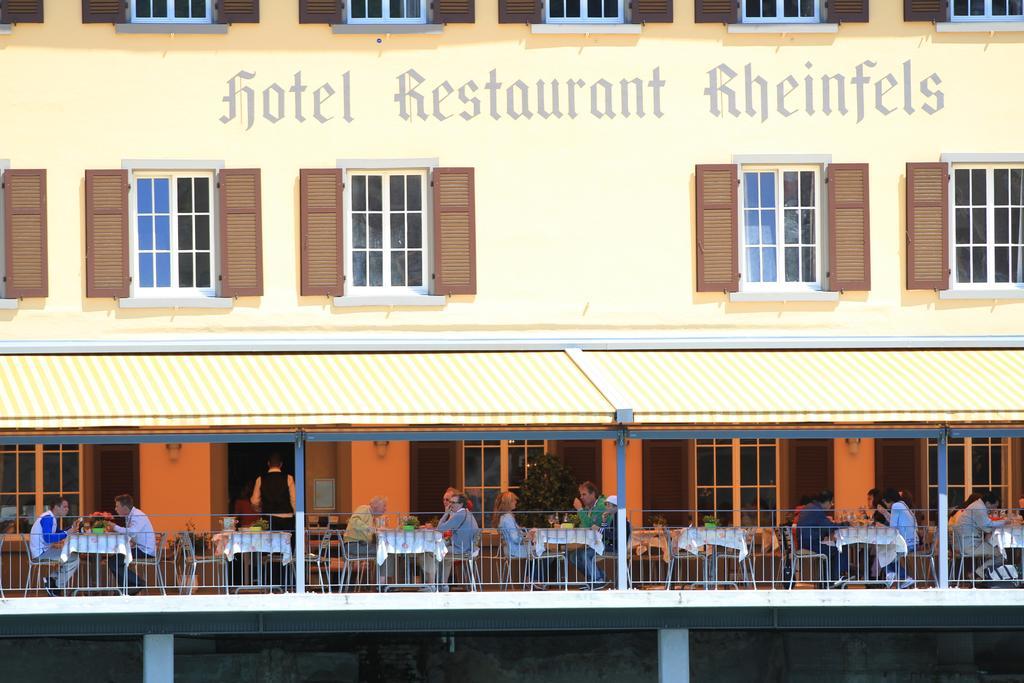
(590, 506)
(902, 519)
(971, 526)
(143, 539)
(274, 496)
(44, 543)
(813, 527)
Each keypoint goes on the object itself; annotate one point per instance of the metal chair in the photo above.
(326, 562)
(677, 558)
(801, 558)
(192, 562)
(925, 552)
(156, 561)
(35, 566)
(467, 561)
(354, 561)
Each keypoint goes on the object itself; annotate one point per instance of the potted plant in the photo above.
(260, 525)
(710, 522)
(549, 488)
(96, 522)
(410, 523)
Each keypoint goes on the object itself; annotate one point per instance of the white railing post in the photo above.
(300, 513)
(621, 546)
(942, 523)
(158, 658)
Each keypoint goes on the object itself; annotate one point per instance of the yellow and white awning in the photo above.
(806, 387)
(275, 390)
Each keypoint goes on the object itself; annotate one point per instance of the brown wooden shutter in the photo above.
(520, 12)
(927, 226)
(321, 231)
(665, 482)
(241, 243)
(454, 231)
(651, 11)
(238, 11)
(583, 458)
(716, 11)
(104, 11)
(22, 11)
(455, 11)
(320, 12)
(847, 10)
(898, 464)
(25, 233)
(849, 220)
(432, 469)
(811, 468)
(117, 472)
(925, 10)
(106, 234)
(717, 226)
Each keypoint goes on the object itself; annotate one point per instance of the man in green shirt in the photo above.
(590, 509)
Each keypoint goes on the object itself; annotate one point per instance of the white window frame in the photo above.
(428, 231)
(386, 18)
(137, 291)
(990, 226)
(1004, 489)
(208, 19)
(988, 16)
(503, 444)
(779, 18)
(39, 492)
(619, 18)
(736, 486)
(819, 230)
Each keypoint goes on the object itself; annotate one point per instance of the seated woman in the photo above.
(902, 519)
(516, 538)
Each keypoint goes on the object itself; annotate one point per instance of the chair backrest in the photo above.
(323, 553)
(188, 549)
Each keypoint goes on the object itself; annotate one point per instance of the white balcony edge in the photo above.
(980, 294)
(176, 302)
(782, 297)
(171, 28)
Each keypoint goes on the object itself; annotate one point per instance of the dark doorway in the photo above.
(811, 468)
(665, 482)
(432, 466)
(583, 458)
(117, 472)
(246, 461)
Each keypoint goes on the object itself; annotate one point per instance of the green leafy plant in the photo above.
(710, 521)
(549, 487)
(411, 520)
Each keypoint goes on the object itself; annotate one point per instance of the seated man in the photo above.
(813, 527)
(140, 532)
(590, 507)
(361, 530)
(45, 541)
(971, 528)
(463, 527)
(610, 527)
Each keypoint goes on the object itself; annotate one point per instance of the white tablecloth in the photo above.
(887, 541)
(693, 539)
(233, 542)
(100, 544)
(588, 537)
(402, 542)
(1007, 537)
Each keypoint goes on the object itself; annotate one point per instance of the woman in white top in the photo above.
(895, 509)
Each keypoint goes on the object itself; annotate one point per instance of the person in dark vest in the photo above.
(274, 496)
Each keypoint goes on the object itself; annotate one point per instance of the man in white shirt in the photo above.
(140, 531)
(45, 540)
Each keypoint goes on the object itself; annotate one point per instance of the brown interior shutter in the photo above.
(106, 234)
(25, 233)
(321, 232)
(583, 458)
(520, 12)
(897, 464)
(320, 12)
(927, 226)
(432, 469)
(455, 11)
(811, 468)
(847, 10)
(22, 11)
(651, 11)
(716, 11)
(117, 472)
(454, 231)
(241, 243)
(238, 11)
(849, 220)
(104, 11)
(717, 225)
(925, 10)
(665, 482)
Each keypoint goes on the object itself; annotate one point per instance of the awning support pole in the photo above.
(621, 547)
(300, 513)
(942, 556)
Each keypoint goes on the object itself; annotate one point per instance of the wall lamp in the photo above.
(381, 448)
(173, 451)
(853, 445)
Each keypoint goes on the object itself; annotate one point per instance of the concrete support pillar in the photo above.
(158, 658)
(674, 655)
(300, 514)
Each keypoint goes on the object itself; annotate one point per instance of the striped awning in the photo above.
(340, 389)
(834, 387)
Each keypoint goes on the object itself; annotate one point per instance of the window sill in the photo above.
(387, 29)
(176, 302)
(756, 297)
(587, 29)
(981, 294)
(384, 300)
(171, 28)
(783, 28)
(8, 304)
(980, 27)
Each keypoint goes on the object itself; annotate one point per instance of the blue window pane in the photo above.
(768, 265)
(768, 227)
(145, 190)
(145, 270)
(767, 190)
(750, 190)
(163, 232)
(753, 265)
(752, 228)
(163, 270)
(162, 194)
(145, 233)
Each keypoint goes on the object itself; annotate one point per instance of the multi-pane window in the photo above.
(595, 11)
(788, 11)
(737, 481)
(30, 475)
(387, 12)
(490, 467)
(387, 222)
(988, 226)
(781, 234)
(972, 463)
(183, 11)
(174, 246)
(967, 10)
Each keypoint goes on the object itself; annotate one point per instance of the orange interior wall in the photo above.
(176, 488)
(373, 475)
(854, 473)
(634, 475)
